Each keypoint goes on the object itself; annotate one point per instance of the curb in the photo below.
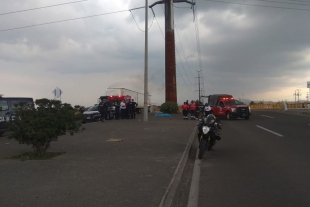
(169, 195)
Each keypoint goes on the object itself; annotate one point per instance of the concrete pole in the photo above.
(199, 85)
(146, 93)
(170, 68)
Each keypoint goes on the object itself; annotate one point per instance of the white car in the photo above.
(91, 114)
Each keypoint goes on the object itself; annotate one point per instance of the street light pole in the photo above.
(146, 93)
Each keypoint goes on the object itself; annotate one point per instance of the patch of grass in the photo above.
(32, 156)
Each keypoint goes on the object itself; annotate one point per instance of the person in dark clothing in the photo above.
(107, 106)
(117, 108)
(101, 110)
(129, 109)
(134, 105)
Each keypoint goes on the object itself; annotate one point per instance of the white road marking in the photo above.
(194, 190)
(270, 131)
(267, 116)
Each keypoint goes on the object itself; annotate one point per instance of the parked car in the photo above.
(91, 114)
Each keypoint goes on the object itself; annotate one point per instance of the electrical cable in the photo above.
(282, 2)
(183, 54)
(176, 67)
(274, 7)
(43, 7)
(198, 42)
(138, 25)
(179, 55)
(66, 20)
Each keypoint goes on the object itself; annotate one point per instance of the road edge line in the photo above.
(194, 189)
(169, 195)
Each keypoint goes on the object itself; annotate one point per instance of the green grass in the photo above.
(32, 156)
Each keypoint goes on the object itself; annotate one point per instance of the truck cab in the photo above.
(224, 105)
(7, 110)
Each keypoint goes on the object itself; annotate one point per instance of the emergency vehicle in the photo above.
(224, 105)
(126, 94)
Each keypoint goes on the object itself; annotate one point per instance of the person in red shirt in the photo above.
(185, 110)
(192, 108)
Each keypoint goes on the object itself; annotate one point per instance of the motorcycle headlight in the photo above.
(205, 129)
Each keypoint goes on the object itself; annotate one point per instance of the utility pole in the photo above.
(146, 93)
(199, 88)
(170, 63)
(298, 94)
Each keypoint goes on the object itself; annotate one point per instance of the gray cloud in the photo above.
(262, 53)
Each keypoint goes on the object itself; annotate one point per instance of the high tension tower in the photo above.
(170, 63)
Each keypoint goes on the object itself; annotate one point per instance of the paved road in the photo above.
(261, 162)
(94, 172)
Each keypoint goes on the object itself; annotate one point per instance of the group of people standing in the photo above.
(128, 109)
(124, 109)
(195, 108)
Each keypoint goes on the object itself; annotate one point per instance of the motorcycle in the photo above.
(208, 133)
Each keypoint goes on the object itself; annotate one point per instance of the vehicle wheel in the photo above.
(1, 133)
(228, 116)
(202, 148)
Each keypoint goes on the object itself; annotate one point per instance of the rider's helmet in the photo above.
(210, 119)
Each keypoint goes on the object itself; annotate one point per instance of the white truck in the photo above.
(123, 93)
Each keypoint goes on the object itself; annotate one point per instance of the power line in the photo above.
(299, 1)
(282, 2)
(198, 41)
(66, 20)
(183, 54)
(177, 52)
(180, 56)
(275, 7)
(43, 7)
(138, 25)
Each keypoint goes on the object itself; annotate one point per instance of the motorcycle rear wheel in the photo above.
(202, 148)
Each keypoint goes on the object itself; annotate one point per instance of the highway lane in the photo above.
(254, 167)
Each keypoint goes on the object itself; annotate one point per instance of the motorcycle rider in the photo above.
(209, 119)
(207, 109)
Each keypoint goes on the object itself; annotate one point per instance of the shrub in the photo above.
(169, 108)
(39, 127)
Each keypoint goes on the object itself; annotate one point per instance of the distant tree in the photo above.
(39, 127)
(252, 103)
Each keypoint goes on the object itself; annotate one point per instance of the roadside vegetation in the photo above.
(40, 126)
(169, 108)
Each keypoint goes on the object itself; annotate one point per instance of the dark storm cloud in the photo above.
(244, 50)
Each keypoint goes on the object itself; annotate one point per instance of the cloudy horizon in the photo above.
(252, 52)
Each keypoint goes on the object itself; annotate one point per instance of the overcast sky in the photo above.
(252, 52)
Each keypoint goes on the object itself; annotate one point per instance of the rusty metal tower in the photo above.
(170, 63)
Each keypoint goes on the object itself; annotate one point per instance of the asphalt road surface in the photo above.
(264, 161)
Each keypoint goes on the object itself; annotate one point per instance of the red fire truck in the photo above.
(224, 105)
